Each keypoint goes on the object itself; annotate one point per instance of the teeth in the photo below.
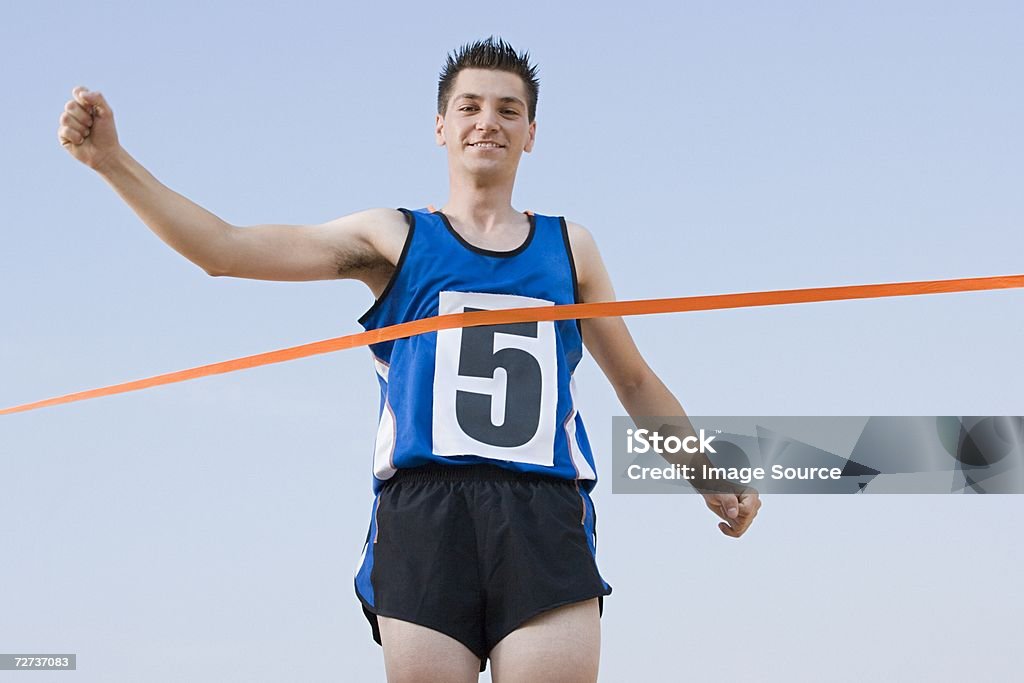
(485, 144)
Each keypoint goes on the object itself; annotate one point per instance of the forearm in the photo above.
(653, 407)
(186, 227)
(650, 398)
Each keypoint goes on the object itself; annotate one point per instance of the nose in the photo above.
(487, 120)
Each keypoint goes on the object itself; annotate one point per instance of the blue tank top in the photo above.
(498, 394)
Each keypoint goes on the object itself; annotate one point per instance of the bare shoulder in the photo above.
(584, 253)
(577, 233)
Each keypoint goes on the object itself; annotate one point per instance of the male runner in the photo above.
(482, 536)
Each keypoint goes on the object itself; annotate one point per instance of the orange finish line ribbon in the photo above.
(535, 314)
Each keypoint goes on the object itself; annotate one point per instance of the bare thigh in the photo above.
(414, 653)
(562, 645)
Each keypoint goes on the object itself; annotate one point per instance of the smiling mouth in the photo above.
(486, 145)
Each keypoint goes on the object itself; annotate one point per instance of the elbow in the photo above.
(632, 384)
(216, 261)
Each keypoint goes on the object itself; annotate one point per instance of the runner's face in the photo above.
(486, 127)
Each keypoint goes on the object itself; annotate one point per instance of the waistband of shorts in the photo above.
(475, 472)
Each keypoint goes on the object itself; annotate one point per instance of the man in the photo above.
(482, 536)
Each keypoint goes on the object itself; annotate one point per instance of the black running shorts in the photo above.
(473, 551)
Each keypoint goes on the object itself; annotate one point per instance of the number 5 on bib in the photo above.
(495, 386)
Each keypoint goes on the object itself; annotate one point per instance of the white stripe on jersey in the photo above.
(583, 468)
(384, 449)
(382, 368)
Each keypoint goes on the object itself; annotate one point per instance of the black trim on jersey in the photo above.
(411, 220)
(572, 267)
(487, 252)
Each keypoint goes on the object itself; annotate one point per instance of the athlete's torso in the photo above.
(496, 394)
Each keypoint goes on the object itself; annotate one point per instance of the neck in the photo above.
(480, 202)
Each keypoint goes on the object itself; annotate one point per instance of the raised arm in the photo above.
(363, 245)
(640, 390)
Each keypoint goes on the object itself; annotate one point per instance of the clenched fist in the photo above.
(87, 128)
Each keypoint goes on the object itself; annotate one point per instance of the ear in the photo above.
(439, 130)
(533, 134)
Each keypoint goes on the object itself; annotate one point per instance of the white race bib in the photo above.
(496, 386)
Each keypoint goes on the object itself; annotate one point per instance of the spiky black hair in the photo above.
(493, 53)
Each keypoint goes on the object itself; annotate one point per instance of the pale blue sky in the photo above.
(210, 530)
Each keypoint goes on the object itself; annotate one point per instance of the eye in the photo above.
(511, 112)
(467, 107)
